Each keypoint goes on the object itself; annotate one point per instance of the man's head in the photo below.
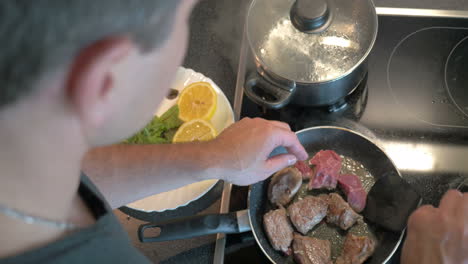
(106, 64)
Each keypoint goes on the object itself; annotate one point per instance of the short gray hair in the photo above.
(40, 35)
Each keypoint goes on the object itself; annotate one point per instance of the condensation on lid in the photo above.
(312, 58)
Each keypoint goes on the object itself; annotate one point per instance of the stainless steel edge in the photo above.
(226, 196)
(243, 221)
(414, 12)
(221, 238)
(241, 71)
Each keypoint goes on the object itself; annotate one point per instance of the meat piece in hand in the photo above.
(308, 250)
(305, 169)
(284, 185)
(327, 166)
(278, 229)
(352, 187)
(340, 213)
(307, 213)
(356, 249)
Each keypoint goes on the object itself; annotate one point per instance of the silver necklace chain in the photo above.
(30, 219)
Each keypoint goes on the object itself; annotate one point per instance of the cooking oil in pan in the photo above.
(332, 233)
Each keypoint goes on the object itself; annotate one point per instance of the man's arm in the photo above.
(126, 173)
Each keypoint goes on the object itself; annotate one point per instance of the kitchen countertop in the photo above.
(216, 28)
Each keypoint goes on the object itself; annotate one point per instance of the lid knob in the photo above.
(310, 16)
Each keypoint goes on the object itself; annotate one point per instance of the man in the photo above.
(77, 75)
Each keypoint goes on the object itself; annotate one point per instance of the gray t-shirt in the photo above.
(104, 242)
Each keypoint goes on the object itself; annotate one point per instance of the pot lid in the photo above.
(311, 41)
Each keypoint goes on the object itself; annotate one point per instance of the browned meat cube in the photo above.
(309, 250)
(340, 213)
(307, 213)
(356, 249)
(284, 185)
(278, 229)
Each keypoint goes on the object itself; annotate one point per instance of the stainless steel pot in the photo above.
(308, 52)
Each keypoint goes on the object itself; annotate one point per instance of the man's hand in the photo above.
(241, 152)
(439, 235)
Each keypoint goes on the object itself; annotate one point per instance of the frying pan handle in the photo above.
(195, 226)
(266, 94)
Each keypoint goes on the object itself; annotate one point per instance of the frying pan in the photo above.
(343, 141)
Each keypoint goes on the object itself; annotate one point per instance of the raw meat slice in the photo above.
(309, 250)
(278, 229)
(340, 213)
(327, 166)
(352, 187)
(284, 185)
(307, 213)
(356, 249)
(305, 169)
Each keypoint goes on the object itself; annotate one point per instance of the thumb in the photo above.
(279, 162)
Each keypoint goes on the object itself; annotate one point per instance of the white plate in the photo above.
(223, 117)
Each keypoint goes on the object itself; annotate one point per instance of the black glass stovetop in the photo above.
(413, 103)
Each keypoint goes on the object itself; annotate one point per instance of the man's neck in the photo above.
(40, 165)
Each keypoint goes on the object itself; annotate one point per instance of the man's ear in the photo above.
(90, 81)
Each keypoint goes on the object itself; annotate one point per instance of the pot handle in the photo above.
(195, 226)
(264, 93)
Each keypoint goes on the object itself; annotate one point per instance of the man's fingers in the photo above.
(303, 154)
(281, 125)
(286, 126)
(265, 121)
(298, 151)
(450, 203)
(421, 216)
(283, 136)
(279, 162)
(289, 140)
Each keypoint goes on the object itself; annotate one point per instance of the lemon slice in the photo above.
(195, 130)
(197, 101)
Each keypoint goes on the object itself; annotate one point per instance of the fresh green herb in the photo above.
(171, 118)
(160, 130)
(169, 134)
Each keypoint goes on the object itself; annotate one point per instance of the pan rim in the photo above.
(397, 245)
